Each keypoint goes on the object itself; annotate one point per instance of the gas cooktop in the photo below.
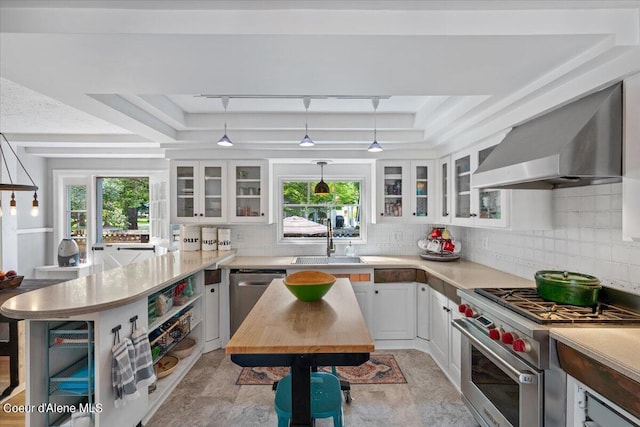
(526, 302)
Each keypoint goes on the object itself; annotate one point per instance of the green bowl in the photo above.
(309, 285)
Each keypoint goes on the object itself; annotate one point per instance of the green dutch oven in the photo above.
(568, 288)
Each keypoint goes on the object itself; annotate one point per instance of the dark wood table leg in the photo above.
(14, 363)
(301, 391)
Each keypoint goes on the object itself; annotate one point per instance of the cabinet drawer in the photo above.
(386, 275)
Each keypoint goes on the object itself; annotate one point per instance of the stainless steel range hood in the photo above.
(578, 144)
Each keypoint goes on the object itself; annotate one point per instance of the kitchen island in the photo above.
(97, 305)
(282, 331)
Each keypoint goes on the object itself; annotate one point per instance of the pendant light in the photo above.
(13, 187)
(321, 187)
(375, 147)
(225, 141)
(306, 141)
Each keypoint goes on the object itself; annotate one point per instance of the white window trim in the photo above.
(364, 214)
(64, 177)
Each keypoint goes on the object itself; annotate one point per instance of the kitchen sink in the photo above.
(327, 260)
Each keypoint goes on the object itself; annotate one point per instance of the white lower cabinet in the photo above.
(394, 311)
(364, 295)
(422, 311)
(211, 313)
(445, 341)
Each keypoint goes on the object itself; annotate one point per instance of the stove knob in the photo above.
(521, 346)
(508, 337)
(494, 334)
(470, 312)
(462, 308)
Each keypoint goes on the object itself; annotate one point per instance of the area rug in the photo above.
(379, 369)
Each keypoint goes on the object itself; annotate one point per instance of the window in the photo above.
(305, 215)
(76, 217)
(122, 209)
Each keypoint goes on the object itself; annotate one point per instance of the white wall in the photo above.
(25, 239)
(586, 238)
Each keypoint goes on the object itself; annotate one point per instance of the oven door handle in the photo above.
(522, 377)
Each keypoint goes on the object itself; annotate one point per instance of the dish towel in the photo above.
(123, 373)
(143, 359)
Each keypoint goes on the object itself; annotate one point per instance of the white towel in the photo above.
(122, 373)
(143, 359)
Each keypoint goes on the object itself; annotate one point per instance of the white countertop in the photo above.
(110, 289)
(461, 274)
(617, 347)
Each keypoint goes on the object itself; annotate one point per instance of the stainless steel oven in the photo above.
(499, 387)
(510, 375)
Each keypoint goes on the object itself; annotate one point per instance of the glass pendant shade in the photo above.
(321, 187)
(225, 141)
(307, 142)
(374, 147)
(35, 206)
(12, 205)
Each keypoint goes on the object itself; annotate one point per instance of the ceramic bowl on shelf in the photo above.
(184, 348)
(309, 285)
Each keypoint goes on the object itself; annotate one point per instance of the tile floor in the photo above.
(208, 396)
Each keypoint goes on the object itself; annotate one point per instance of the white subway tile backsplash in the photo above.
(587, 238)
(588, 203)
(573, 204)
(603, 203)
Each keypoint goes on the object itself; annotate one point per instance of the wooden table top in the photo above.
(281, 324)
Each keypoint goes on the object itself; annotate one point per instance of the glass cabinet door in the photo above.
(392, 176)
(421, 190)
(462, 178)
(489, 201)
(185, 191)
(213, 197)
(248, 191)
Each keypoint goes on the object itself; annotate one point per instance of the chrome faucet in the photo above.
(330, 247)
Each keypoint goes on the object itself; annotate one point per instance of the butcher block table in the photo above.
(282, 331)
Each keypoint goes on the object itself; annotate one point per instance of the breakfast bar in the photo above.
(283, 331)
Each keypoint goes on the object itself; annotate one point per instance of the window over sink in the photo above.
(305, 216)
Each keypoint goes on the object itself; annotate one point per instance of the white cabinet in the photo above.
(513, 209)
(445, 342)
(631, 178)
(211, 313)
(472, 206)
(405, 191)
(394, 311)
(422, 311)
(198, 192)
(248, 191)
(443, 185)
(364, 295)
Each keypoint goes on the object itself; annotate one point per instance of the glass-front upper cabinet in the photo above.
(479, 207)
(248, 187)
(198, 191)
(392, 182)
(443, 172)
(405, 190)
(423, 190)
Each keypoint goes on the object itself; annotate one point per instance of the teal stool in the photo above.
(326, 400)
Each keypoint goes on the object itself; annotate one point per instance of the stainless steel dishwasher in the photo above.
(245, 289)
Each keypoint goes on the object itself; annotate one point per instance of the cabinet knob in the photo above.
(195, 214)
(212, 290)
(445, 214)
(201, 214)
(414, 214)
(444, 308)
(262, 214)
(474, 215)
(376, 292)
(381, 213)
(423, 289)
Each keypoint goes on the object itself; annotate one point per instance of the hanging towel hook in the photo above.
(116, 332)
